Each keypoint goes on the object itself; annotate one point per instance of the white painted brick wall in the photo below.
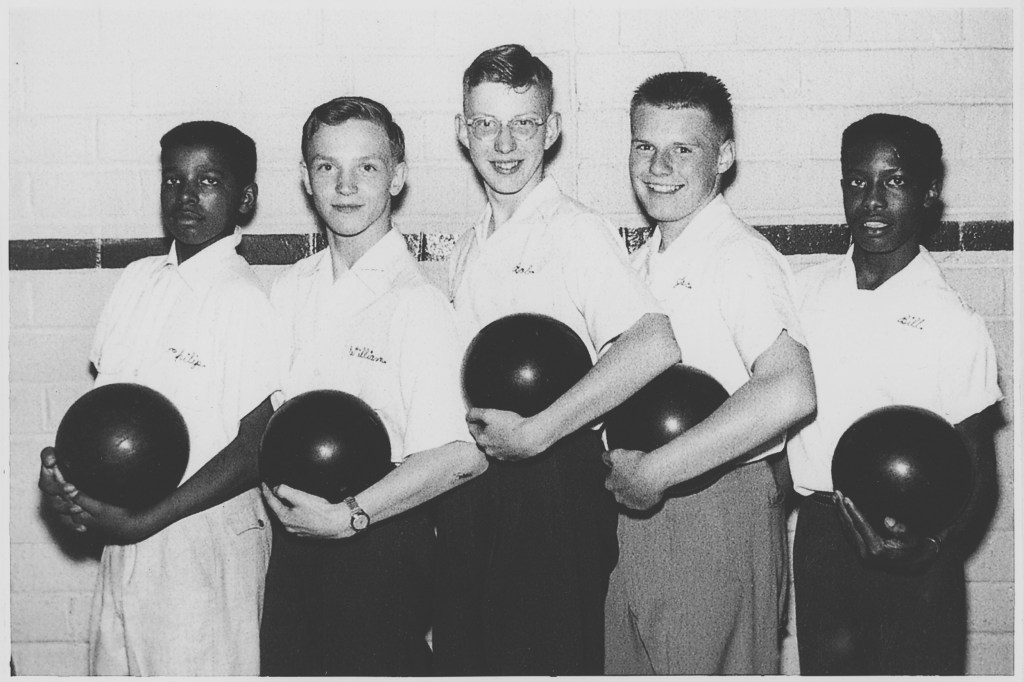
(92, 90)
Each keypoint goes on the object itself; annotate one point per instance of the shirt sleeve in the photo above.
(605, 288)
(430, 363)
(757, 301)
(970, 380)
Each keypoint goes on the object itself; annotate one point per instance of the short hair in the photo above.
(917, 144)
(238, 147)
(512, 65)
(688, 90)
(341, 109)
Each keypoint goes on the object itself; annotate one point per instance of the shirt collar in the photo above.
(700, 229)
(375, 269)
(920, 270)
(202, 268)
(541, 200)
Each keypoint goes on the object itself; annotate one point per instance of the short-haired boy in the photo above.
(700, 583)
(181, 583)
(883, 328)
(349, 584)
(526, 550)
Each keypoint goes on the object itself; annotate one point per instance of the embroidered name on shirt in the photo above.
(683, 282)
(912, 321)
(365, 354)
(520, 270)
(187, 357)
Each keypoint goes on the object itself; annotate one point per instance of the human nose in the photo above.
(346, 183)
(660, 164)
(875, 196)
(503, 141)
(188, 192)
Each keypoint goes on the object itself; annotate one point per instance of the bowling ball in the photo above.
(522, 363)
(327, 443)
(123, 444)
(670, 404)
(906, 463)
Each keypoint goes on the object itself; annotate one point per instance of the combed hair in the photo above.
(341, 109)
(917, 144)
(688, 90)
(238, 147)
(512, 65)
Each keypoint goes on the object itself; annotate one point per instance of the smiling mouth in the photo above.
(658, 188)
(506, 167)
(346, 208)
(874, 226)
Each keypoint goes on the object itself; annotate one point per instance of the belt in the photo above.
(822, 498)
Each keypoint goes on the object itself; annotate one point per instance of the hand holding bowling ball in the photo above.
(669, 405)
(523, 363)
(123, 444)
(327, 443)
(907, 464)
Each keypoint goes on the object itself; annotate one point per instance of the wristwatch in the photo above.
(359, 519)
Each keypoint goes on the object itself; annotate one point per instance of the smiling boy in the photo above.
(181, 583)
(526, 550)
(348, 588)
(699, 587)
(883, 328)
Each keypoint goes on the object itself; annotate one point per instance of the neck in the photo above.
(186, 251)
(875, 269)
(672, 230)
(346, 251)
(504, 206)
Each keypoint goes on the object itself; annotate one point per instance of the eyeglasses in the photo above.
(522, 128)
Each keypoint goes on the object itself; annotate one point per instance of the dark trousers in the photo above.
(359, 606)
(853, 620)
(524, 554)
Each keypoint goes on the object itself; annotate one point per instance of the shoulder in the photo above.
(291, 278)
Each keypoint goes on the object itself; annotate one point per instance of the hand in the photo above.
(504, 435)
(629, 481)
(119, 526)
(308, 516)
(904, 552)
(56, 491)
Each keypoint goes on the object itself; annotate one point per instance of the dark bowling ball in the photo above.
(327, 443)
(522, 363)
(906, 463)
(124, 444)
(672, 403)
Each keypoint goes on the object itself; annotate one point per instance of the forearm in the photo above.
(232, 471)
(976, 432)
(779, 394)
(640, 354)
(422, 477)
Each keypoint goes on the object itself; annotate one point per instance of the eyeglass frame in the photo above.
(471, 122)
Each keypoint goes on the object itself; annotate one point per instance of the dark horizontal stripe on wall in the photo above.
(284, 249)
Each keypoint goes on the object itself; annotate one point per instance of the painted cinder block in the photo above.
(838, 77)
(410, 30)
(70, 298)
(134, 138)
(751, 77)
(32, 30)
(988, 27)
(282, 206)
(41, 618)
(990, 607)
(44, 139)
(293, 80)
(905, 28)
(990, 654)
(596, 29)
(58, 399)
(672, 29)
(467, 31)
(605, 187)
(993, 560)
(412, 82)
(131, 32)
(30, 523)
(607, 80)
(19, 210)
(57, 85)
(987, 132)
(101, 195)
(450, 191)
(805, 27)
(26, 408)
(50, 355)
(978, 189)
(44, 567)
(603, 134)
(61, 659)
(984, 75)
(981, 288)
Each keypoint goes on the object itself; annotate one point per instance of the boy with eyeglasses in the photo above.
(526, 549)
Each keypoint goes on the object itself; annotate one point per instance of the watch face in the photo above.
(360, 520)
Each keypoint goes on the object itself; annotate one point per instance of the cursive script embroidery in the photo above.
(912, 321)
(187, 357)
(365, 354)
(520, 270)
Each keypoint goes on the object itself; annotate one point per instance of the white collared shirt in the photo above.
(728, 292)
(380, 332)
(911, 341)
(198, 334)
(554, 257)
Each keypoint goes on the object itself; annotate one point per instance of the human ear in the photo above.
(726, 155)
(931, 195)
(249, 193)
(552, 129)
(398, 178)
(462, 130)
(304, 173)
